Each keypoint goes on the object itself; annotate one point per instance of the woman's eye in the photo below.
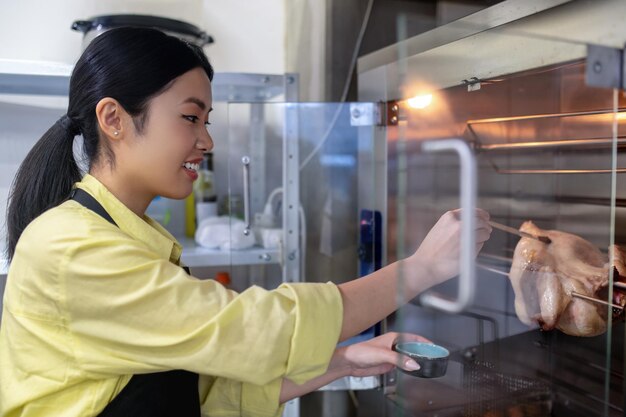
(191, 118)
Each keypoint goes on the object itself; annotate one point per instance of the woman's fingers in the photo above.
(390, 357)
(483, 230)
(479, 247)
(482, 214)
(482, 222)
(406, 363)
(376, 356)
(409, 337)
(483, 234)
(403, 361)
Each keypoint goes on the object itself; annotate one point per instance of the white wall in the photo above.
(249, 34)
(305, 45)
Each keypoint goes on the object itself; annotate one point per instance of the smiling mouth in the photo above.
(191, 166)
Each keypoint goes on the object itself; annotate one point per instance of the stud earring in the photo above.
(116, 133)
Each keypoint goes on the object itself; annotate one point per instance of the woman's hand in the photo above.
(440, 250)
(372, 357)
(375, 356)
(370, 299)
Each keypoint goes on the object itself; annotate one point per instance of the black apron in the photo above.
(159, 394)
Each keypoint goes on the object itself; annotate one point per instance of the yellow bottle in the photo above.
(190, 216)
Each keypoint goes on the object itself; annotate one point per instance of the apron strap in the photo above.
(83, 197)
(160, 394)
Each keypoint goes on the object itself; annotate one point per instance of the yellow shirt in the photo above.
(88, 304)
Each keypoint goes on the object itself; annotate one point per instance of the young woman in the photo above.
(99, 317)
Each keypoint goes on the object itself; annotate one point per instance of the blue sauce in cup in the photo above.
(427, 350)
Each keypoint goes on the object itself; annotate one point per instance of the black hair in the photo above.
(131, 65)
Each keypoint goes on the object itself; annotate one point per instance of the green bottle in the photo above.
(204, 190)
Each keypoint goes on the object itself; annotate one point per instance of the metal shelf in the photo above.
(34, 77)
(53, 78)
(197, 256)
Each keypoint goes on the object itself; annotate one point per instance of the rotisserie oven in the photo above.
(518, 109)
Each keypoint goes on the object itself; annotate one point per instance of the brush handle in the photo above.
(519, 233)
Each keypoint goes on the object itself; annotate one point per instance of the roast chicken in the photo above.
(545, 275)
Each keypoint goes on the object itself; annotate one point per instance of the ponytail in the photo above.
(44, 179)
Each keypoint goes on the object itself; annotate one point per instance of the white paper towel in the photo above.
(224, 233)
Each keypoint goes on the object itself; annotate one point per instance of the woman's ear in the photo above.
(111, 115)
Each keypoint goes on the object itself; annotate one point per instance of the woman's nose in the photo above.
(205, 142)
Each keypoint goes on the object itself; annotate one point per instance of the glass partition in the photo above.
(311, 180)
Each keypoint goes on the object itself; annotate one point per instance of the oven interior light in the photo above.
(420, 102)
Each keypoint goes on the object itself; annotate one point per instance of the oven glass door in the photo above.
(532, 331)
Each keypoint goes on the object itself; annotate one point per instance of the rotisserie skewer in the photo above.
(620, 285)
(519, 233)
(596, 300)
(573, 293)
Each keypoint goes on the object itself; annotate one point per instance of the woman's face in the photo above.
(163, 159)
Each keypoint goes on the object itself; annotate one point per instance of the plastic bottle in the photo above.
(190, 215)
(232, 205)
(204, 190)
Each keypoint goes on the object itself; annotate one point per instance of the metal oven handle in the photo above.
(245, 160)
(467, 276)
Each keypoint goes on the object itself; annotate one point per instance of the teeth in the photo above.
(189, 165)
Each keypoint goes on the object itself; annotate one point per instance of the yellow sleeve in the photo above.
(307, 357)
(130, 311)
(229, 398)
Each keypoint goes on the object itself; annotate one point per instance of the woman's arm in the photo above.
(372, 357)
(369, 299)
